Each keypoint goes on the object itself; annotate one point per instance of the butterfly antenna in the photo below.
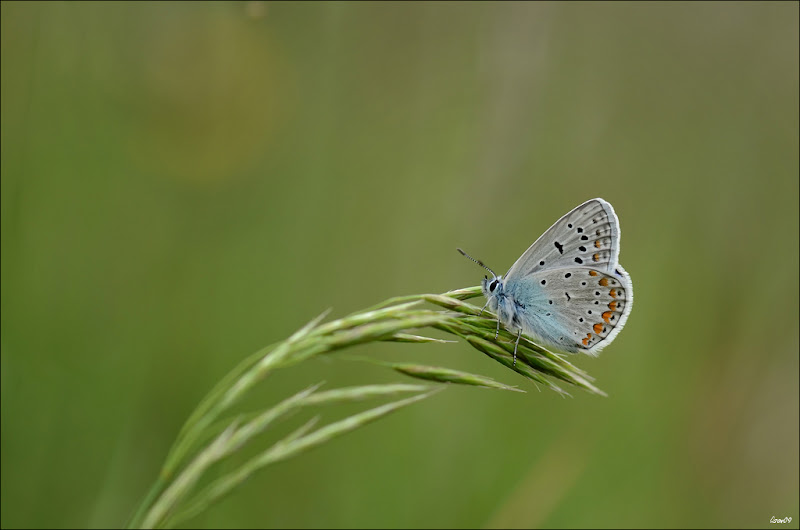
(479, 262)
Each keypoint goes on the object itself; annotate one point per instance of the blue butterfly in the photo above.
(566, 292)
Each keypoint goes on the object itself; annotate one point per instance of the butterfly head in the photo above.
(492, 287)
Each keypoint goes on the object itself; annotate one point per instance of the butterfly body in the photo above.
(567, 292)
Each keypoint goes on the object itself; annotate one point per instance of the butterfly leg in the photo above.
(515, 346)
(497, 333)
(484, 307)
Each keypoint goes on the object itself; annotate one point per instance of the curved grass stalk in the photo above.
(212, 433)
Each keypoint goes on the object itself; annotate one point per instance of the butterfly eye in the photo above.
(493, 286)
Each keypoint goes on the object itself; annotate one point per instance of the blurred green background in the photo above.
(183, 184)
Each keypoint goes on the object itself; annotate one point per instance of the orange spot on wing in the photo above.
(592, 273)
(597, 328)
(613, 293)
(597, 243)
(613, 305)
(596, 257)
(586, 339)
(607, 314)
(604, 282)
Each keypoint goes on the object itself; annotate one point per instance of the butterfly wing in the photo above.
(586, 236)
(571, 309)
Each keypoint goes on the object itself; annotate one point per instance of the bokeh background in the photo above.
(184, 183)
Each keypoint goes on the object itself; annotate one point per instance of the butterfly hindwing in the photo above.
(571, 309)
(586, 236)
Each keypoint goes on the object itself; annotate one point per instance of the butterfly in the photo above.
(567, 292)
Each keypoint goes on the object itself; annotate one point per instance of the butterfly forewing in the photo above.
(572, 309)
(587, 236)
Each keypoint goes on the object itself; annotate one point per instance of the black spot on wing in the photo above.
(560, 247)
